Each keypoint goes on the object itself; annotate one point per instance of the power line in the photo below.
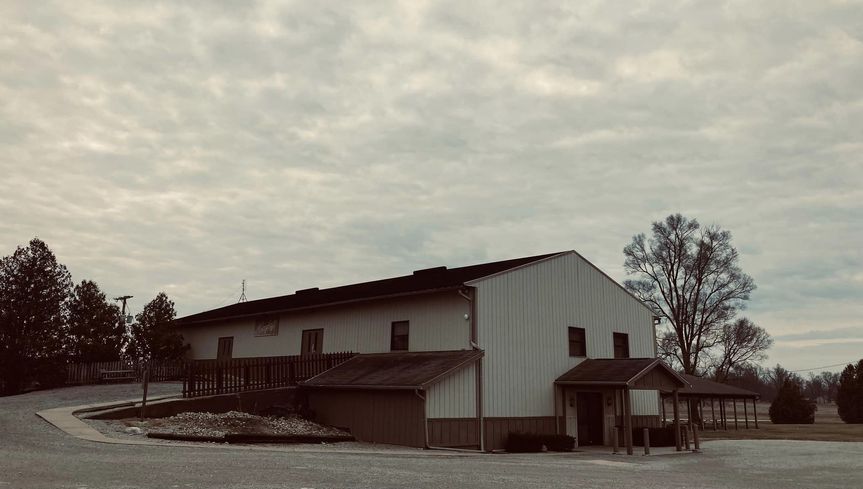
(817, 368)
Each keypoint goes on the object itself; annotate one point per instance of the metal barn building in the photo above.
(460, 357)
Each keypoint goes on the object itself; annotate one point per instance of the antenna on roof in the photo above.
(243, 295)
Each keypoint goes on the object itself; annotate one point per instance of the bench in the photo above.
(116, 375)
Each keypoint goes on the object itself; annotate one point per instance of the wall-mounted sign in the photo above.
(267, 326)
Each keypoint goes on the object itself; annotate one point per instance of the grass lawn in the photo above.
(827, 427)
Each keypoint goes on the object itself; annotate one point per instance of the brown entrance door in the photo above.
(589, 418)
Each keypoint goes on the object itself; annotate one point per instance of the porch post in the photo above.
(627, 421)
(745, 413)
(664, 419)
(677, 421)
(701, 413)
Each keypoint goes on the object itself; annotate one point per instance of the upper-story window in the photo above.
(399, 336)
(621, 345)
(577, 343)
(226, 348)
(313, 341)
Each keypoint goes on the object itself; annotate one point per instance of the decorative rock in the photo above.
(134, 430)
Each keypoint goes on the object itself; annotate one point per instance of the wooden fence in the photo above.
(209, 377)
(91, 373)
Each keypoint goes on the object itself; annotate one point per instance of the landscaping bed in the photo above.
(230, 427)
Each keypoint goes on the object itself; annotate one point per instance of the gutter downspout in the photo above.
(425, 418)
(469, 294)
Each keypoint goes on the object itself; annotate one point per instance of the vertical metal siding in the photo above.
(523, 317)
(437, 323)
(644, 402)
(454, 396)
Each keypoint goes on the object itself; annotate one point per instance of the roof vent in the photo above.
(430, 271)
(307, 291)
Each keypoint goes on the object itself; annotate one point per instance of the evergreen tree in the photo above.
(849, 398)
(96, 328)
(34, 289)
(790, 406)
(153, 334)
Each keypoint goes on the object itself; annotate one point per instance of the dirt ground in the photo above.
(827, 427)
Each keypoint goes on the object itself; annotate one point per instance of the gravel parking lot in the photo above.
(34, 454)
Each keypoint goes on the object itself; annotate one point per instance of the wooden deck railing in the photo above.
(209, 377)
(90, 372)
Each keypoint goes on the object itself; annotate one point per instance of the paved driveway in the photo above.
(34, 454)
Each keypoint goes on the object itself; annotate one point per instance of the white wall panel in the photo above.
(454, 396)
(522, 319)
(437, 323)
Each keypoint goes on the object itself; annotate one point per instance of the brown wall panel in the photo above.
(394, 417)
(453, 432)
(642, 421)
(497, 429)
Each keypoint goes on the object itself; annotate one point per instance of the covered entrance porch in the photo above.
(594, 400)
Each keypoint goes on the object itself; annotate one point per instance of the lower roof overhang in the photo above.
(623, 373)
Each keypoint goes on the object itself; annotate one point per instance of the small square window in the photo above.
(577, 343)
(399, 336)
(621, 345)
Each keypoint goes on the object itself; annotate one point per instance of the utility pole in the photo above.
(243, 295)
(123, 298)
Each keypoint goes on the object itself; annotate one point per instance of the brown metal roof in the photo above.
(701, 387)
(402, 370)
(421, 281)
(615, 371)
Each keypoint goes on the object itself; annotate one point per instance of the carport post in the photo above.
(701, 413)
(713, 412)
(646, 437)
(677, 421)
(745, 413)
(734, 405)
(695, 439)
(755, 413)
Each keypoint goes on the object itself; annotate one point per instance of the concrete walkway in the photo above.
(36, 455)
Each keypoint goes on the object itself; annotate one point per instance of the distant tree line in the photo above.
(46, 322)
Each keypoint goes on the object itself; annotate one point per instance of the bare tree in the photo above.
(740, 343)
(690, 276)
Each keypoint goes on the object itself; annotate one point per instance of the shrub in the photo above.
(559, 443)
(518, 442)
(659, 437)
(791, 407)
(49, 372)
(849, 397)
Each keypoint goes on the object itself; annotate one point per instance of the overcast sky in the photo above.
(183, 147)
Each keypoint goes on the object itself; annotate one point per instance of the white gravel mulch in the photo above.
(219, 424)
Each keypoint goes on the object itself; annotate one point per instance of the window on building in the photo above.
(313, 341)
(226, 348)
(621, 345)
(577, 344)
(399, 336)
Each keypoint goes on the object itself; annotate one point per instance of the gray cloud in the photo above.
(187, 146)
